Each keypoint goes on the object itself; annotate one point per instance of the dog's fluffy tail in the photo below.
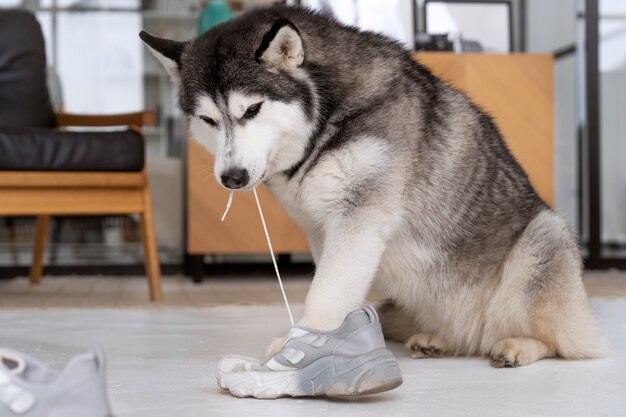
(572, 328)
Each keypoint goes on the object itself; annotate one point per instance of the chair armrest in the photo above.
(134, 120)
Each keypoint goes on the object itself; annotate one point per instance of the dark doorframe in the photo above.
(592, 160)
(592, 129)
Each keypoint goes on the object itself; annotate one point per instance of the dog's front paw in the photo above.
(275, 346)
(423, 346)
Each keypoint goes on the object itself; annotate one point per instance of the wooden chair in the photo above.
(48, 193)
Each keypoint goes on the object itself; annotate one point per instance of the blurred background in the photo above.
(97, 65)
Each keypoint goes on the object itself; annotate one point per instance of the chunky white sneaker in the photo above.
(28, 388)
(351, 360)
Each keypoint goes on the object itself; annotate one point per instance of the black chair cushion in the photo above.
(33, 149)
(24, 100)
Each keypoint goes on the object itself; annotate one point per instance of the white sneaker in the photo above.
(351, 360)
(28, 388)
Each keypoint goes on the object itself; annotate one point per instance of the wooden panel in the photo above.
(242, 231)
(517, 91)
(71, 179)
(76, 201)
(447, 66)
(520, 88)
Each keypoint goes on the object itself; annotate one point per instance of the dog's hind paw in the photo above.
(503, 360)
(518, 351)
(425, 346)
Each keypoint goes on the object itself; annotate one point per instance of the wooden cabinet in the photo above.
(515, 89)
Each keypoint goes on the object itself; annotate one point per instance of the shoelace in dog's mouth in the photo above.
(269, 244)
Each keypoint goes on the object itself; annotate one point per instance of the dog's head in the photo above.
(246, 95)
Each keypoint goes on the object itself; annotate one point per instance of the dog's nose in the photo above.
(235, 178)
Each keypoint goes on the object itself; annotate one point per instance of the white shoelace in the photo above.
(269, 244)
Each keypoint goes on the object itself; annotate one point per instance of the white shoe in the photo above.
(28, 388)
(351, 360)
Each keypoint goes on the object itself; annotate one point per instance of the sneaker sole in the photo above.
(331, 376)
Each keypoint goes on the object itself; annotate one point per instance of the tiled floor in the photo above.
(179, 291)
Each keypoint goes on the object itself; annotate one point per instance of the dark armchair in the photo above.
(47, 171)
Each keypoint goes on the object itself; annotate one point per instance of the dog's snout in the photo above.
(235, 178)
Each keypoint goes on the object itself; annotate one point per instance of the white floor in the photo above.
(161, 364)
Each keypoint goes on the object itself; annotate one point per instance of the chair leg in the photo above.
(40, 246)
(153, 269)
(55, 236)
(12, 238)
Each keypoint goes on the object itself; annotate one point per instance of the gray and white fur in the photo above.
(399, 181)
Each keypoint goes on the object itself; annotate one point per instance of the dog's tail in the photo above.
(573, 328)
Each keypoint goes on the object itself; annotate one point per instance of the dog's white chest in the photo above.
(287, 193)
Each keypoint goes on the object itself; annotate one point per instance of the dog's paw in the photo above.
(515, 352)
(424, 346)
(275, 346)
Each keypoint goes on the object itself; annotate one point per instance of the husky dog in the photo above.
(399, 181)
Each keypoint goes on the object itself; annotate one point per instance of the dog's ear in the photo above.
(167, 51)
(281, 46)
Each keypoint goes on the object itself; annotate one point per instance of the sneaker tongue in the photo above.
(13, 363)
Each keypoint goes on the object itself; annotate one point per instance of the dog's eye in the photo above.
(252, 111)
(209, 121)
